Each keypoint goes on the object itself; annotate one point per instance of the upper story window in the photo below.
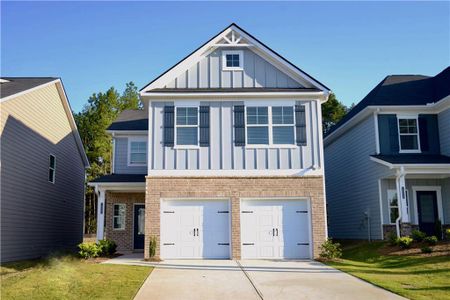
(137, 152)
(52, 168)
(232, 60)
(408, 134)
(187, 126)
(270, 125)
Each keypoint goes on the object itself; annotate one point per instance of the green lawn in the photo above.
(67, 277)
(413, 276)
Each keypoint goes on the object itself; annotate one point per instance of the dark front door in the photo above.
(428, 211)
(139, 225)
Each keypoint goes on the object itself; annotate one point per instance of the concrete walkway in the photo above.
(249, 279)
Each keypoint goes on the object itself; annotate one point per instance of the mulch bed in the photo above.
(98, 260)
(441, 249)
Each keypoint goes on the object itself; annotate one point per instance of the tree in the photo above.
(332, 112)
(92, 122)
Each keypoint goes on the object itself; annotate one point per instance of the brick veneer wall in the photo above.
(234, 188)
(123, 238)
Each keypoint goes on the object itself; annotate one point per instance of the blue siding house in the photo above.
(387, 162)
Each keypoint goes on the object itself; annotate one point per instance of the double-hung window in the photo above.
(258, 125)
(187, 126)
(270, 125)
(138, 152)
(393, 205)
(52, 169)
(283, 125)
(408, 134)
(119, 216)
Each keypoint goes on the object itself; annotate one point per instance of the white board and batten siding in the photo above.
(222, 154)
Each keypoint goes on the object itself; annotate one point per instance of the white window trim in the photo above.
(224, 60)
(176, 146)
(137, 139)
(388, 192)
(408, 117)
(114, 216)
(430, 188)
(270, 125)
(50, 168)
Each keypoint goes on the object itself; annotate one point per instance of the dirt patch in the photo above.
(441, 249)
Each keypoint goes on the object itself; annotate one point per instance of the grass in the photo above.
(411, 276)
(67, 277)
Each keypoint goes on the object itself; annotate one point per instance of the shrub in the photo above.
(431, 240)
(426, 249)
(392, 238)
(152, 246)
(447, 233)
(330, 250)
(404, 242)
(89, 250)
(107, 247)
(418, 235)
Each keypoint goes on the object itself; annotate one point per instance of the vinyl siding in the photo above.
(121, 158)
(352, 183)
(257, 72)
(38, 217)
(444, 131)
(222, 154)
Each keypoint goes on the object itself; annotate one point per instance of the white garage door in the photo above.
(195, 229)
(275, 229)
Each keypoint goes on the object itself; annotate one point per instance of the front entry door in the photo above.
(428, 211)
(139, 225)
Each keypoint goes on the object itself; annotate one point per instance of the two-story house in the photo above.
(387, 161)
(225, 161)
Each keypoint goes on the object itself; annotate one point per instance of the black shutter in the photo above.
(393, 134)
(204, 126)
(168, 126)
(423, 132)
(300, 125)
(239, 125)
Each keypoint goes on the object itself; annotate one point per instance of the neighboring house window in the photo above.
(52, 169)
(119, 216)
(283, 124)
(258, 125)
(408, 134)
(393, 205)
(270, 125)
(232, 60)
(138, 152)
(187, 126)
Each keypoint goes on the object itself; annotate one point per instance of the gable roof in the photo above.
(194, 57)
(402, 90)
(12, 87)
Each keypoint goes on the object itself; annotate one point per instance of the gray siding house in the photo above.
(224, 161)
(42, 169)
(387, 163)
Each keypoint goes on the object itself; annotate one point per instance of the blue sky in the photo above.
(349, 46)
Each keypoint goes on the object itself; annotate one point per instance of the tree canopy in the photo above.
(332, 112)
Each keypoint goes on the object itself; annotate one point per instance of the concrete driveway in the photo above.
(254, 279)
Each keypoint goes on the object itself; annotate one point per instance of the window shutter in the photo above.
(168, 126)
(239, 125)
(204, 126)
(423, 132)
(393, 134)
(300, 125)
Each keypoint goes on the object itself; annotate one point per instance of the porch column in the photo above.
(100, 214)
(402, 199)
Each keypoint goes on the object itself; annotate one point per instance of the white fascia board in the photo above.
(235, 173)
(416, 168)
(119, 133)
(29, 90)
(170, 96)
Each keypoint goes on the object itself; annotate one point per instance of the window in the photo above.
(408, 134)
(283, 124)
(119, 216)
(257, 125)
(393, 205)
(138, 152)
(232, 60)
(52, 169)
(187, 126)
(270, 125)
